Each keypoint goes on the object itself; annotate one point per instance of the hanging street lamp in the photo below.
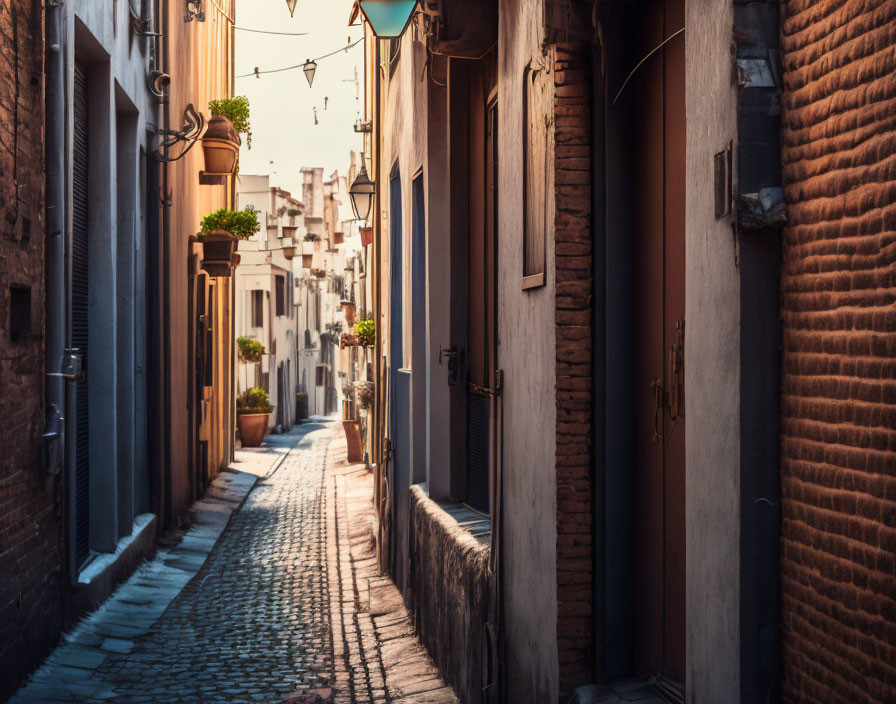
(362, 193)
(291, 4)
(388, 18)
(309, 67)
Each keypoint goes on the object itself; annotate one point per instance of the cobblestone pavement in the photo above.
(292, 568)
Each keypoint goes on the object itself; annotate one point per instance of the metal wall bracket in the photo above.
(194, 123)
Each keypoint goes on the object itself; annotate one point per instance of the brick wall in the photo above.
(572, 227)
(30, 556)
(838, 307)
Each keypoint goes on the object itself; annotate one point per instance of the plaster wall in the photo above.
(404, 141)
(712, 369)
(199, 63)
(526, 353)
(122, 114)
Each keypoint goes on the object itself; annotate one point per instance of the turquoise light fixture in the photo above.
(388, 18)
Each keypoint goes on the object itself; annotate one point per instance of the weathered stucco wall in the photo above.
(449, 576)
(712, 376)
(200, 68)
(526, 353)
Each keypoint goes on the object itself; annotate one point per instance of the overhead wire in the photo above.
(316, 59)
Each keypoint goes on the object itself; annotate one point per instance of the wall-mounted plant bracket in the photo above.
(194, 10)
(190, 133)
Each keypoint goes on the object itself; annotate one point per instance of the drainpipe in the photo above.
(53, 448)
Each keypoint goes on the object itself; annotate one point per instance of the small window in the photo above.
(536, 143)
(258, 308)
(280, 293)
(320, 375)
(19, 313)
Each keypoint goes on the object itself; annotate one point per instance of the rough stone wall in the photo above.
(572, 191)
(30, 548)
(450, 584)
(838, 397)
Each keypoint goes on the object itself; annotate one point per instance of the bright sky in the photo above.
(282, 105)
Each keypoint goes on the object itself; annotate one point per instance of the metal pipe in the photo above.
(55, 278)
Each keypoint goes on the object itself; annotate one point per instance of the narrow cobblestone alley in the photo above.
(288, 606)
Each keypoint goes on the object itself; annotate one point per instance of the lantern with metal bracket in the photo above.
(361, 193)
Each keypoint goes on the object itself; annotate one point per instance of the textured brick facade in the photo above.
(30, 527)
(838, 309)
(573, 258)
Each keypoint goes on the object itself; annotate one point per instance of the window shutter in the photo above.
(535, 178)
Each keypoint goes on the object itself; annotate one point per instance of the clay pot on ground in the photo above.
(221, 145)
(219, 253)
(352, 430)
(253, 427)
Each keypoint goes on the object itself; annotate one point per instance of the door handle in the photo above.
(658, 406)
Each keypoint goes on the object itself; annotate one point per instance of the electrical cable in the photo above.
(316, 59)
(265, 31)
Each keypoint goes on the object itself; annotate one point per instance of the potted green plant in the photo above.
(221, 141)
(219, 233)
(366, 332)
(253, 410)
(250, 350)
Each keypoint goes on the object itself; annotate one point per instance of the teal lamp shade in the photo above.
(388, 18)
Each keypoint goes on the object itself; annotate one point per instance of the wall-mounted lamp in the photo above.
(388, 18)
(361, 193)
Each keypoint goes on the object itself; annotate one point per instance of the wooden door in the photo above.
(482, 381)
(659, 224)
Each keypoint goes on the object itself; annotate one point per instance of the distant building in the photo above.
(266, 295)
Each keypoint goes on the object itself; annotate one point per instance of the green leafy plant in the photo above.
(236, 110)
(253, 401)
(242, 224)
(366, 332)
(250, 350)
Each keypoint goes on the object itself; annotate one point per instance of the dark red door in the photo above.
(659, 218)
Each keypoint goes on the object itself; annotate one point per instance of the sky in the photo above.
(282, 105)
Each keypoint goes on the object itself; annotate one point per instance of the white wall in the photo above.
(712, 369)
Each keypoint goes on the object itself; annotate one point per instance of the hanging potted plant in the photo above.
(366, 332)
(253, 411)
(250, 350)
(366, 236)
(219, 233)
(348, 307)
(221, 141)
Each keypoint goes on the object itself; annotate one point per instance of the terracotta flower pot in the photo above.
(220, 144)
(219, 253)
(349, 310)
(366, 236)
(353, 440)
(253, 427)
(289, 252)
(338, 237)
